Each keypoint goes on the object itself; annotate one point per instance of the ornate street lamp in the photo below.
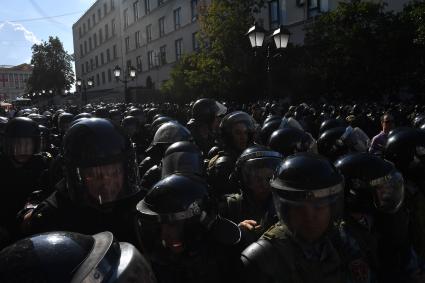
(129, 75)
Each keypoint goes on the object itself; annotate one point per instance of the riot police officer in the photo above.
(305, 245)
(101, 184)
(182, 235)
(73, 257)
(205, 121)
(23, 170)
(374, 215)
(253, 208)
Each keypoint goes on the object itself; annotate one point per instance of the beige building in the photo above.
(13, 81)
(151, 36)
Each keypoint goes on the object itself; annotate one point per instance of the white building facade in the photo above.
(13, 81)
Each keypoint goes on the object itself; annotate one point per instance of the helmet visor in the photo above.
(388, 192)
(182, 162)
(104, 183)
(19, 146)
(256, 174)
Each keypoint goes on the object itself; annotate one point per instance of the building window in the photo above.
(91, 64)
(94, 19)
(103, 78)
(160, 2)
(114, 51)
(194, 9)
(102, 59)
(125, 18)
(89, 23)
(105, 9)
(147, 6)
(150, 59)
(109, 75)
(87, 67)
(100, 36)
(177, 18)
(161, 26)
(136, 10)
(85, 47)
(82, 68)
(148, 33)
(90, 44)
(80, 33)
(113, 26)
(96, 59)
(99, 14)
(106, 31)
(112, 4)
(108, 55)
(179, 48)
(139, 63)
(195, 42)
(95, 40)
(274, 14)
(81, 50)
(137, 39)
(127, 44)
(84, 27)
(97, 80)
(163, 55)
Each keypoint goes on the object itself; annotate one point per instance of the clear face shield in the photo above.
(20, 149)
(256, 175)
(308, 213)
(388, 192)
(356, 140)
(182, 162)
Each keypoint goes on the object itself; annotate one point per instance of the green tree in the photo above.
(358, 49)
(52, 67)
(223, 67)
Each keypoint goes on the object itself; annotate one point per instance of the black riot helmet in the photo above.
(21, 139)
(288, 141)
(44, 138)
(330, 145)
(184, 158)
(64, 121)
(115, 115)
(237, 124)
(82, 115)
(267, 129)
(102, 112)
(272, 118)
(205, 110)
(131, 125)
(175, 216)
(158, 122)
(139, 114)
(100, 162)
(167, 134)
(307, 181)
(330, 124)
(254, 169)
(73, 257)
(39, 119)
(404, 145)
(371, 183)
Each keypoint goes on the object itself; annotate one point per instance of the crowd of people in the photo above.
(213, 192)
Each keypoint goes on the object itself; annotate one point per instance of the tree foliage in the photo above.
(52, 67)
(223, 67)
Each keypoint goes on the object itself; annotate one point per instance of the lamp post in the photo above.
(128, 76)
(82, 85)
(258, 36)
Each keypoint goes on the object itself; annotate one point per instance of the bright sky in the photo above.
(19, 29)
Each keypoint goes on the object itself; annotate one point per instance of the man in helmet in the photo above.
(253, 207)
(73, 257)
(205, 121)
(305, 245)
(375, 216)
(23, 170)
(101, 184)
(181, 233)
(237, 132)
